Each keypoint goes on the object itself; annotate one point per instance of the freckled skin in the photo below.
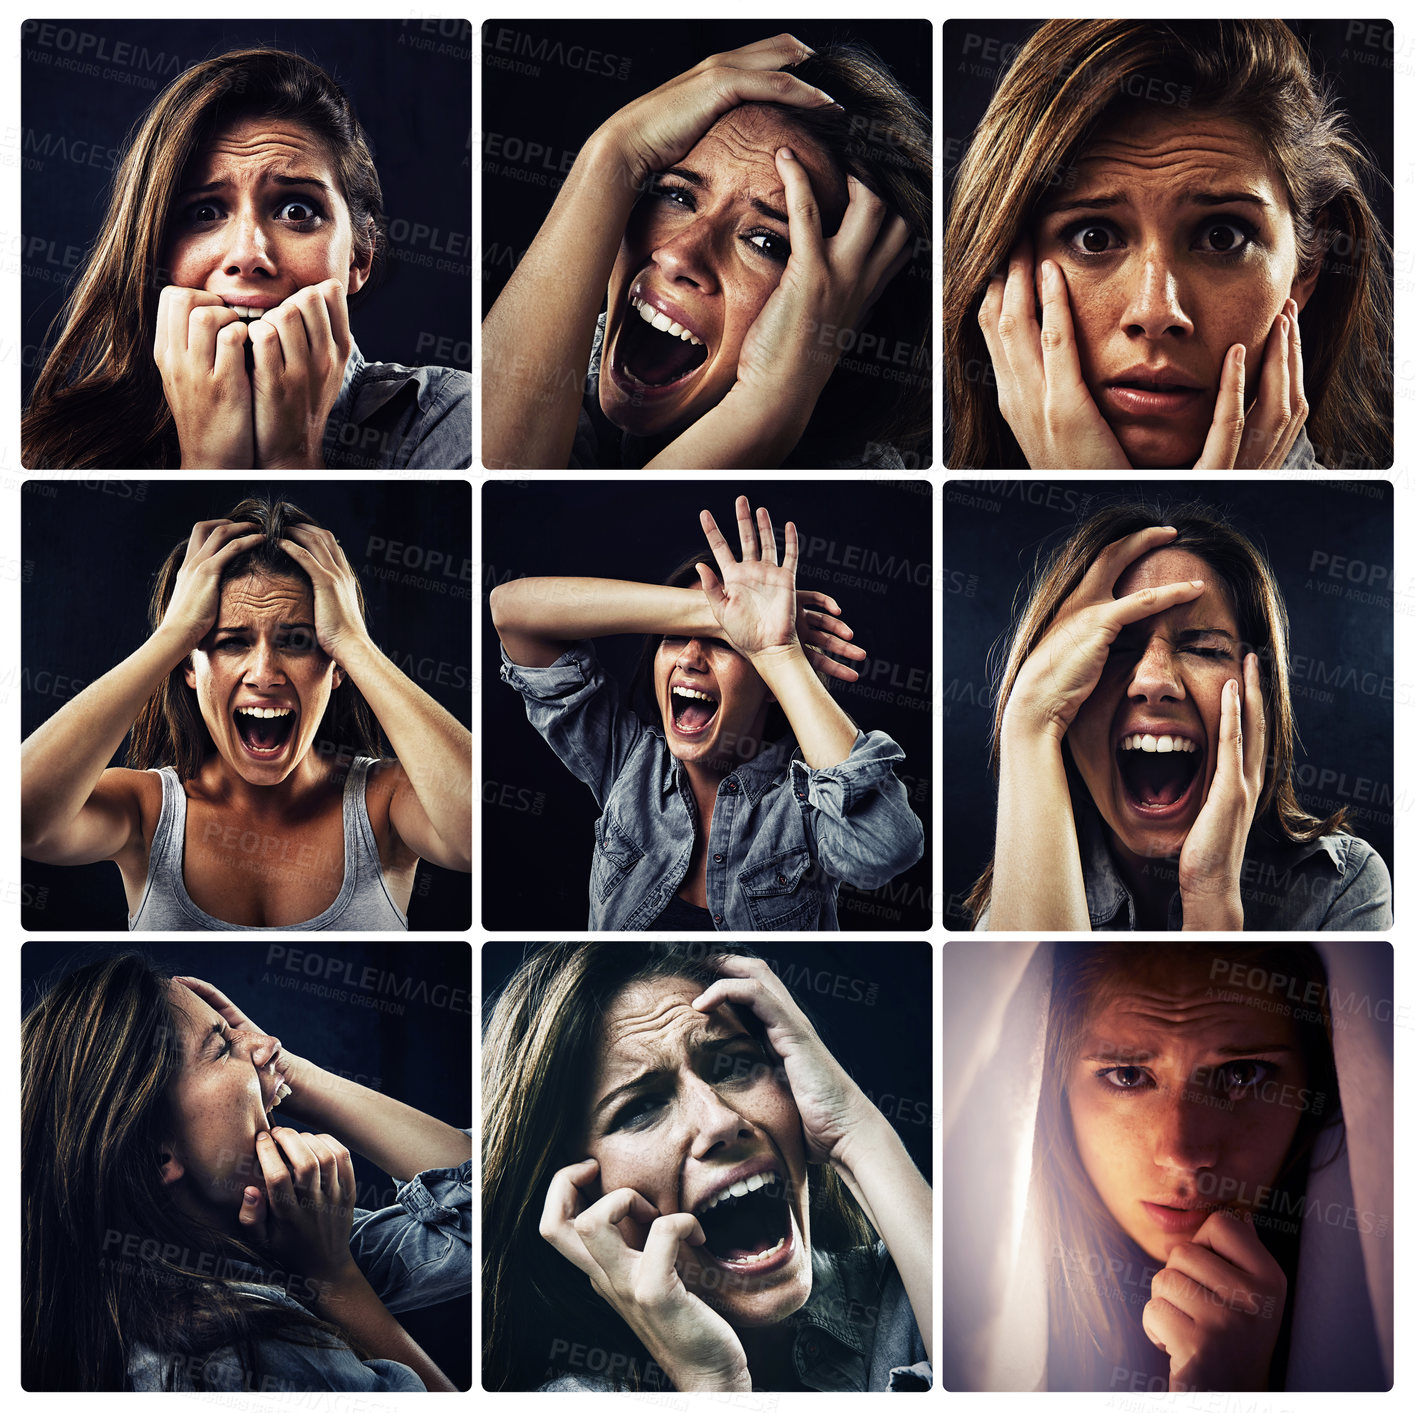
(219, 1108)
(706, 1126)
(1148, 674)
(254, 243)
(265, 663)
(1183, 1140)
(1160, 294)
(699, 261)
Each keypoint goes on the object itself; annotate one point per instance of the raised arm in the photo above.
(70, 813)
(533, 366)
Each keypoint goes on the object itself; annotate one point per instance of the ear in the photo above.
(189, 675)
(1302, 288)
(338, 676)
(359, 269)
(169, 1165)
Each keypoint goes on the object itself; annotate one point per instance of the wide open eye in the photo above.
(1092, 238)
(1124, 1077)
(1229, 236)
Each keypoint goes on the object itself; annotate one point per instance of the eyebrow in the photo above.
(697, 179)
(1107, 200)
(709, 1045)
(1206, 633)
(1228, 1052)
(245, 627)
(274, 177)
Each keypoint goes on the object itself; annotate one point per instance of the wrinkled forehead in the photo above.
(654, 1023)
(739, 153)
(258, 598)
(268, 144)
(1175, 566)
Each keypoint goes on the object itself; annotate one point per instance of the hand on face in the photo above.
(196, 592)
(828, 286)
(267, 1046)
(1216, 1309)
(305, 1214)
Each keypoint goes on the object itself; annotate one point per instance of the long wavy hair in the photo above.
(539, 1049)
(110, 1264)
(1098, 1280)
(169, 729)
(1253, 593)
(1069, 80)
(98, 401)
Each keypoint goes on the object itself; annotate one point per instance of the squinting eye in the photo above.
(1122, 1077)
(299, 642)
(677, 195)
(1242, 1077)
(774, 247)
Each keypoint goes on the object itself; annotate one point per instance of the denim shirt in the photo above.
(855, 1334)
(388, 417)
(1337, 883)
(415, 1253)
(783, 836)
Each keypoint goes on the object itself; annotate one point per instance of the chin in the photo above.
(1159, 448)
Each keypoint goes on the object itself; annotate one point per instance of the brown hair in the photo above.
(1094, 1271)
(98, 401)
(539, 1049)
(108, 1261)
(1252, 591)
(1066, 81)
(169, 729)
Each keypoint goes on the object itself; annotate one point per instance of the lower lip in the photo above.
(1145, 402)
(628, 384)
(760, 1268)
(1176, 1218)
(1159, 814)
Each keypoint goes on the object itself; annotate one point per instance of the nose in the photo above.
(1187, 1133)
(247, 249)
(264, 667)
(713, 1121)
(262, 1049)
(1156, 677)
(1153, 306)
(688, 256)
(693, 656)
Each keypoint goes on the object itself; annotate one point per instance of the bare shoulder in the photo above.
(385, 779)
(138, 793)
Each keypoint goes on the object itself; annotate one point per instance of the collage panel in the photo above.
(707, 1169)
(246, 1166)
(1169, 705)
(708, 778)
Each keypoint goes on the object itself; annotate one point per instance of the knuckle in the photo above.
(584, 1224)
(1007, 327)
(1053, 340)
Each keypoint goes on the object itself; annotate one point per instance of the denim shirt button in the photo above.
(717, 917)
(800, 794)
(781, 878)
(717, 858)
(732, 786)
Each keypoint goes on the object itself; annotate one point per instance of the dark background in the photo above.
(537, 819)
(409, 82)
(91, 549)
(407, 1048)
(870, 1002)
(1340, 634)
(589, 70)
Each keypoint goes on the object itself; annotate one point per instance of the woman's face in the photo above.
(220, 1102)
(1176, 240)
(685, 1106)
(259, 216)
(1182, 1101)
(704, 248)
(262, 681)
(712, 701)
(1163, 678)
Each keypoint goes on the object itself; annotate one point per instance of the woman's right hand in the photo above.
(1063, 669)
(630, 1254)
(657, 130)
(1040, 391)
(196, 593)
(306, 1212)
(200, 351)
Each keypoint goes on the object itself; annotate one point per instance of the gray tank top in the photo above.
(363, 904)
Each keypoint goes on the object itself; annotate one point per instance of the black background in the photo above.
(1345, 749)
(414, 103)
(882, 1037)
(551, 115)
(408, 1048)
(91, 549)
(537, 819)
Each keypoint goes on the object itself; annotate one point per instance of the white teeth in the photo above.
(245, 311)
(759, 1257)
(663, 323)
(739, 1189)
(265, 712)
(692, 692)
(1158, 745)
(282, 1091)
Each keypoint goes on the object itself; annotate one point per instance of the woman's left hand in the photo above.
(337, 620)
(755, 599)
(1211, 861)
(794, 343)
(1216, 1309)
(237, 1019)
(831, 1104)
(300, 349)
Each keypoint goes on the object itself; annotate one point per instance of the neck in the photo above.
(1152, 883)
(230, 788)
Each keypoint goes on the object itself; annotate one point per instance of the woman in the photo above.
(627, 1089)
(715, 815)
(210, 325)
(176, 1240)
(257, 792)
(745, 224)
(1143, 736)
(1195, 1203)
(1161, 252)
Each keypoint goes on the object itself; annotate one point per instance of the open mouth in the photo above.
(693, 710)
(265, 731)
(1158, 772)
(749, 1225)
(655, 351)
(282, 1091)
